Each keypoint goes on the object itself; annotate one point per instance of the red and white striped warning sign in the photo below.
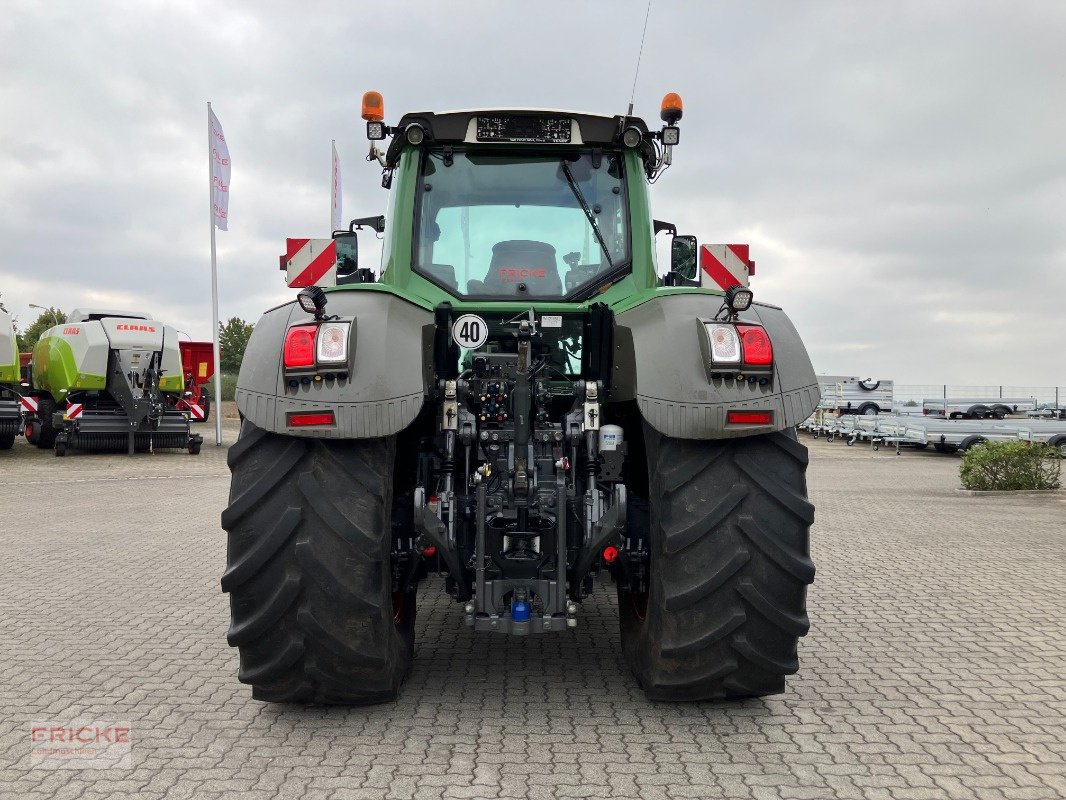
(28, 404)
(725, 265)
(196, 411)
(73, 411)
(310, 262)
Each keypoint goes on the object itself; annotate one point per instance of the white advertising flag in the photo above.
(336, 217)
(220, 168)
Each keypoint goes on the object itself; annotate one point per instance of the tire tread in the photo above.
(728, 584)
(309, 572)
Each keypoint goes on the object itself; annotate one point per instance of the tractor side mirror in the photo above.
(683, 256)
(347, 255)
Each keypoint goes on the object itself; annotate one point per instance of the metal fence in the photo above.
(911, 395)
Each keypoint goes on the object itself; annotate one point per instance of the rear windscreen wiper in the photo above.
(588, 212)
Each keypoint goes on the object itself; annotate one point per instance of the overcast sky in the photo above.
(899, 168)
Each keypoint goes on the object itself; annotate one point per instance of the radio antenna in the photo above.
(636, 73)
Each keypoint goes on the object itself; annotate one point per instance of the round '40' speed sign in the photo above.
(470, 331)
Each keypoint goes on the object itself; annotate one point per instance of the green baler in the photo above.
(108, 380)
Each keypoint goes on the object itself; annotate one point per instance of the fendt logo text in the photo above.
(124, 327)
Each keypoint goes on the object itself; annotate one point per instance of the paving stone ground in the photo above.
(934, 668)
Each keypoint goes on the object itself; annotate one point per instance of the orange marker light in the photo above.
(671, 109)
(374, 107)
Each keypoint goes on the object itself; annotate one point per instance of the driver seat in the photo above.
(519, 261)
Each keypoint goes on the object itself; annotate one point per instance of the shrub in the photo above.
(1011, 465)
(229, 386)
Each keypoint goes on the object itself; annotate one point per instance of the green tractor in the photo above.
(519, 405)
(10, 411)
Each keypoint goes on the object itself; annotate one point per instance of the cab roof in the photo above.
(470, 126)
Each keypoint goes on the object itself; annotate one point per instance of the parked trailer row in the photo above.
(845, 394)
(943, 435)
(978, 407)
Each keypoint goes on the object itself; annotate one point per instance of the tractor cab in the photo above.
(519, 205)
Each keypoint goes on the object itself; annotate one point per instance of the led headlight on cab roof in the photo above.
(332, 345)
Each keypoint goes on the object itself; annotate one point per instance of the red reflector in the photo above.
(610, 554)
(749, 417)
(300, 346)
(310, 420)
(430, 551)
(756, 344)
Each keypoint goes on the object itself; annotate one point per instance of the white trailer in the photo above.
(846, 394)
(1052, 432)
(977, 407)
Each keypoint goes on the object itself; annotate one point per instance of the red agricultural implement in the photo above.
(198, 365)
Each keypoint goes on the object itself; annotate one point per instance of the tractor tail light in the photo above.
(758, 351)
(749, 417)
(311, 420)
(300, 346)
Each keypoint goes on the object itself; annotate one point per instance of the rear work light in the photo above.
(758, 351)
(311, 420)
(725, 344)
(300, 346)
(333, 342)
(749, 417)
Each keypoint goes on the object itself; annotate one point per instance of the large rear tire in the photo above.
(309, 573)
(729, 531)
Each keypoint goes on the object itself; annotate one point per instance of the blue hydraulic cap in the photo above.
(520, 611)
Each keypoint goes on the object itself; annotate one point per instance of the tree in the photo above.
(46, 320)
(232, 339)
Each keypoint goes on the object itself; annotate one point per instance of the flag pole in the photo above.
(332, 183)
(214, 281)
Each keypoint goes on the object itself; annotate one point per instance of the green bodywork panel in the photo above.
(9, 354)
(55, 368)
(397, 277)
(9, 372)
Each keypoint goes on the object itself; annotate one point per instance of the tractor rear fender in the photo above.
(660, 364)
(386, 382)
